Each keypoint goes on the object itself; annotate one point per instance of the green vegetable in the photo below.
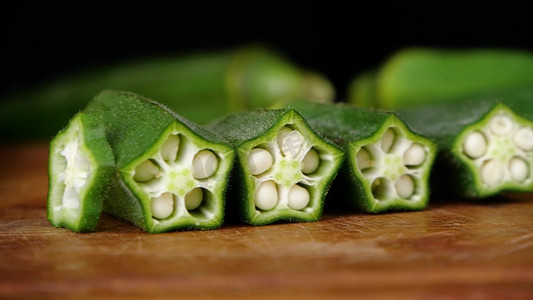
(199, 87)
(486, 146)
(81, 164)
(170, 173)
(283, 168)
(418, 76)
(387, 165)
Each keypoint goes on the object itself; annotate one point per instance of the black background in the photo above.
(45, 39)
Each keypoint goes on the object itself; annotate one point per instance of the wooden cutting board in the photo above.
(453, 249)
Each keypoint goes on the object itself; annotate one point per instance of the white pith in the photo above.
(506, 155)
(186, 171)
(286, 172)
(76, 171)
(393, 166)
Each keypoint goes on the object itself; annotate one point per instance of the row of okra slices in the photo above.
(135, 159)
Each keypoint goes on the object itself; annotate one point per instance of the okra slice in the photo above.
(171, 173)
(485, 146)
(387, 165)
(283, 168)
(81, 164)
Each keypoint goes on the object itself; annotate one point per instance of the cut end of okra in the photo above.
(80, 164)
(288, 171)
(181, 181)
(499, 151)
(393, 166)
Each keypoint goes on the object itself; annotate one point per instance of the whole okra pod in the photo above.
(198, 86)
(283, 169)
(485, 146)
(169, 172)
(387, 166)
(422, 76)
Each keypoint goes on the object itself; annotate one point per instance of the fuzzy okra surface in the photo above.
(283, 168)
(486, 147)
(387, 166)
(81, 165)
(170, 173)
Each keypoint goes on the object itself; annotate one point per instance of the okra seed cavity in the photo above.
(194, 199)
(169, 150)
(162, 206)
(364, 159)
(298, 197)
(259, 161)
(379, 187)
(146, 171)
(475, 145)
(204, 164)
(266, 195)
(415, 155)
(519, 169)
(405, 186)
(387, 140)
(281, 136)
(523, 138)
(501, 125)
(492, 172)
(310, 162)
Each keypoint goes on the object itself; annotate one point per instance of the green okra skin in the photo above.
(170, 173)
(419, 76)
(81, 164)
(387, 165)
(485, 145)
(199, 87)
(283, 169)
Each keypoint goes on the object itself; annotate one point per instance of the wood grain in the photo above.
(451, 250)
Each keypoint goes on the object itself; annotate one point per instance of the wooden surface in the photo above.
(456, 249)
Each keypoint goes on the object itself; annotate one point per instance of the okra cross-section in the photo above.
(499, 151)
(387, 165)
(80, 167)
(485, 146)
(172, 174)
(284, 168)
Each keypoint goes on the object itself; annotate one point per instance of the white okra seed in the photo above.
(298, 197)
(194, 199)
(292, 144)
(414, 155)
(405, 186)
(259, 160)
(492, 172)
(310, 162)
(145, 171)
(281, 136)
(387, 140)
(204, 164)
(364, 159)
(475, 144)
(266, 195)
(162, 206)
(519, 169)
(169, 150)
(523, 138)
(501, 125)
